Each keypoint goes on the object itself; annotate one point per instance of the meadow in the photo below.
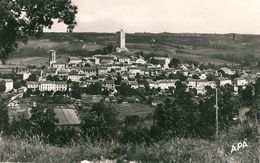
(174, 150)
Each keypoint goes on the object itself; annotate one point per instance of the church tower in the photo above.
(52, 58)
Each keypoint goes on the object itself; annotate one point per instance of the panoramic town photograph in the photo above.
(107, 81)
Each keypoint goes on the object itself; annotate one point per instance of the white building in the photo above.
(75, 76)
(200, 83)
(223, 81)
(228, 71)
(133, 70)
(59, 66)
(123, 59)
(140, 61)
(163, 62)
(9, 84)
(166, 84)
(48, 85)
(53, 86)
(240, 82)
(32, 85)
(74, 61)
(25, 74)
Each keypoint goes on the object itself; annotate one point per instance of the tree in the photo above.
(154, 61)
(94, 89)
(195, 76)
(76, 90)
(118, 79)
(4, 120)
(43, 119)
(2, 87)
(248, 94)
(20, 19)
(125, 89)
(100, 122)
(174, 62)
(32, 77)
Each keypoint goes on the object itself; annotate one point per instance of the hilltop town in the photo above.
(118, 77)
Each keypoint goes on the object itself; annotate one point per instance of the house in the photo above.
(75, 76)
(63, 73)
(223, 81)
(134, 70)
(123, 59)
(59, 65)
(22, 89)
(102, 70)
(89, 71)
(163, 61)
(47, 85)
(109, 85)
(9, 84)
(203, 76)
(201, 90)
(228, 71)
(240, 82)
(140, 61)
(133, 84)
(153, 70)
(32, 85)
(14, 104)
(24, 74)
(74, 61)
(192, 83)
(18, 110)
(152, 84)
(200, 83)
(104, 59)
(53, 86)
(67, 118)
(166, 84)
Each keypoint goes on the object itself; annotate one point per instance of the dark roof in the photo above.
(73, 72)
(66, 117)
(89, 68)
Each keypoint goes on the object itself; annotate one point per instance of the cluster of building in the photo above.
(105, 69)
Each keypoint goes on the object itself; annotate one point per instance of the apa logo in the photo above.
(238, 146)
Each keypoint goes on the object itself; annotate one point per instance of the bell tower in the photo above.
(52, 58)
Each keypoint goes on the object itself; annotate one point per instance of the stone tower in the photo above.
(52, 58)
(120, 39)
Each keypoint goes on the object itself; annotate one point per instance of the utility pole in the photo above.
(216, 107)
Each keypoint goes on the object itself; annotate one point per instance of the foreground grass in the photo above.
(177, 150)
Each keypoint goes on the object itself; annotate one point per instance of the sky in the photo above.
(176, 16)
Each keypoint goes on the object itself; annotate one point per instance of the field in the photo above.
(175, 150)
(38, 61)
(197, 47)
(130, 109)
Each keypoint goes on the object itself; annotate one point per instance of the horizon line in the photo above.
(210, 33)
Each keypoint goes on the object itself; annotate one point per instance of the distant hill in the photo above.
(213, 48)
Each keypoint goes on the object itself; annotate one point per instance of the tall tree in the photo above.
(4, 120)
(20, 19)
(43, 119)
(100, 122)
(174, 62)
(2, 87)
